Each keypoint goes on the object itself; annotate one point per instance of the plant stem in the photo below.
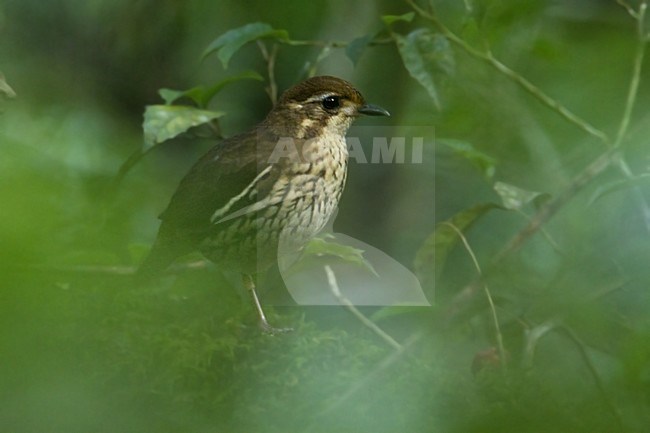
(272, 88)
(334, 288)
(488, 295)
(514, 76)
(636, 76)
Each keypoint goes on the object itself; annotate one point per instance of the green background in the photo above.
(83, 348)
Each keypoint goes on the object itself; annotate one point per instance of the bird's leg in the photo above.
(249, 284)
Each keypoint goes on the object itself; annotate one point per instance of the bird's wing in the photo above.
(229, 177)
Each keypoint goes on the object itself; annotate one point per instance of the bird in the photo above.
(266, 192)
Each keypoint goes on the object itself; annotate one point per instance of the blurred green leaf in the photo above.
(618, 185)
(390, 19)
(357, 46)
(5, 89)
(513, 197)
(162, 122)
(432, 255)
(322, 247)
(311, 67)
(202, 95)
(170, 96)
(424, 54)
(230, 42)
(484, 162)
(138, 251)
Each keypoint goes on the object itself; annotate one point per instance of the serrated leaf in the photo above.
(425, 54)
(230, 42)
(322, 247)
(390, 19)
(483, 161)
(202, 95)
(513, 197)
(357, 46)
(432, 255)
(162, 122)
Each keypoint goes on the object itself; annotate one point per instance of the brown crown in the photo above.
(322, 84)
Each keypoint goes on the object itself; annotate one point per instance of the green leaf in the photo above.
(425, 54)
(390, 19)
(138, 251)
(170, 96)
(513, 197)
(202, 95)
(357, 46)
(322, 247)
(484, 162)
(432, 255)
(230, 42)
(618, 185)
(5, 89)
(162, 122)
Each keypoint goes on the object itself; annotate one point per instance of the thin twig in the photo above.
(630, 103)
(545, 233)
(334, 44)
(582, 349)
(533, 335)
(550, 208)
(334, 287)
(324, 52)
(488, 295)
(110, 269)
(269, 58)
(597, 166)
(518, 79)
(636, 76)
(630, 10)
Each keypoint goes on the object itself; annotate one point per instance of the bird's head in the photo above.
(318, 105)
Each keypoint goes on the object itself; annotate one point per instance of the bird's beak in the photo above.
(373, 110)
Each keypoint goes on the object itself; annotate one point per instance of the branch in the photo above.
(518, 79)
(600, 164)
(628, 8)
(582, 349)
(272, 88)
(334, 287)
(636, 75)
(334, 44)
(595, 168)
(493, 310)
(550, 208)
(111, 269)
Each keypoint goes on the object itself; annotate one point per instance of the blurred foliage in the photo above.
(540, 161)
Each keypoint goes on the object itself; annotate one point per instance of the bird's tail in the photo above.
(158, 259)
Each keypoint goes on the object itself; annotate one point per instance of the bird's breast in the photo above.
(312, 188)
(302, 198)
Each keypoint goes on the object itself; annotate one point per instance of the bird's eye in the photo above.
(331, 102)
